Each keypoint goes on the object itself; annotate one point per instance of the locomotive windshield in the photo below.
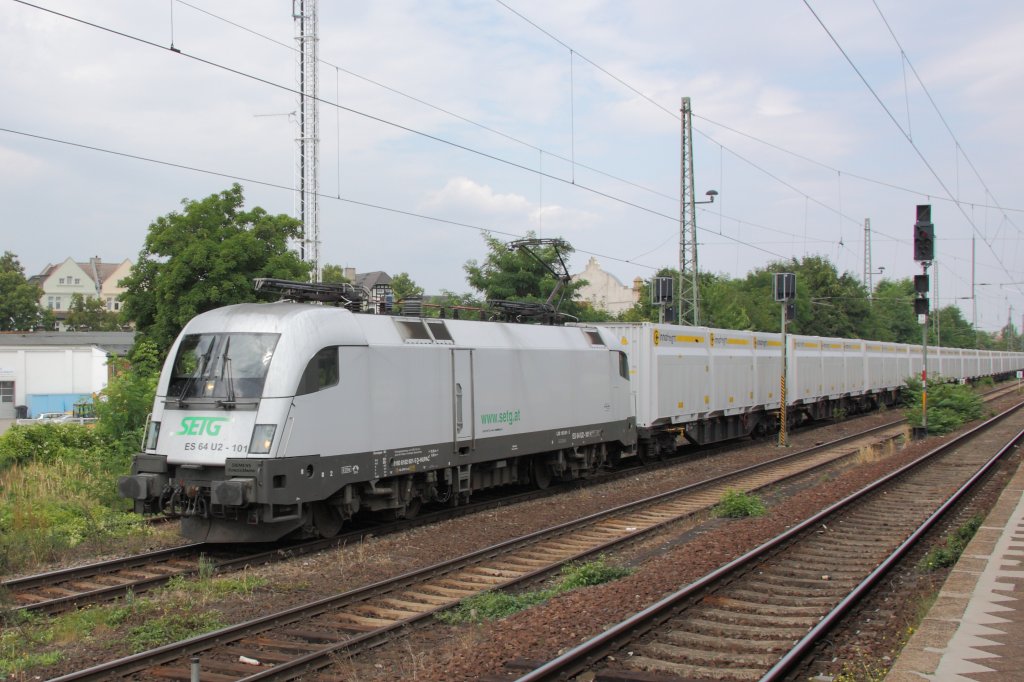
(223, 369)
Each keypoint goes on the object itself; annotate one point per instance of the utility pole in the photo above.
(307, 171)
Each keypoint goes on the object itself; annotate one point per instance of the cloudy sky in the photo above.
(445, 118)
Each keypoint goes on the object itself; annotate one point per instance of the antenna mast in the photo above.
(307, 203)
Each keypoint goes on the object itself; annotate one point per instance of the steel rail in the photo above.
(596, 647)
(136, 662)
(801, 648)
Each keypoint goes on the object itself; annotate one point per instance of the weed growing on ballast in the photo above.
(736, 504)
(496, 605)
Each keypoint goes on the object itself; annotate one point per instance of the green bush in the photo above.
(736, 504)
(950, 405)
(58, 481)
(46, 443)
(127, 401)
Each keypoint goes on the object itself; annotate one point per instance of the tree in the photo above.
(404, 286)
(893, 311)
(643, 310)
(126, 402)
(88, 313)
(952, 331)
(206, 257)
(333, 274)
(721, 303)
(827, 303)
(19, 300)
(511, 274)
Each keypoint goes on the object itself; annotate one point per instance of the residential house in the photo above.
(377, 284)
(93, 279)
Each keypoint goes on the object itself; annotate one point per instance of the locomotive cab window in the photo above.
(321, 372)
(223, 369)
(623, 364)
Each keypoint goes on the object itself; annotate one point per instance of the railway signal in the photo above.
(924, 234)
(784, 289)
(924, 252)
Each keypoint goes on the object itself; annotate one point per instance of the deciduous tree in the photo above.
(19, 300)
(205, 257)
(511, 274)
(88, 313)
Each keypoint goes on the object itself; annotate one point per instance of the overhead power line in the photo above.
(386, 122)
(907, 136)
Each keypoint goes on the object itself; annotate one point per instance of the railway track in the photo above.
(62, 590)
(287, 644)
(757, 617)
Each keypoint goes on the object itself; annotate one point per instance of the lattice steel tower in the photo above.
(307, 170)
(689, 293)
(868, 273)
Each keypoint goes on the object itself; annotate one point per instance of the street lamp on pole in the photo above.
(689, 293)
(871, 284)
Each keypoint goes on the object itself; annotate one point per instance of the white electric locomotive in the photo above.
(286, 419)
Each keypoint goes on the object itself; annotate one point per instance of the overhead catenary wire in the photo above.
(906, 135)
(277, 185)
(951, 197)
(541, 176)
(572, 161)
(383, 121)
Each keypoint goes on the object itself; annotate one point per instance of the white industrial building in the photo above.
(51, 371)
(605, 292)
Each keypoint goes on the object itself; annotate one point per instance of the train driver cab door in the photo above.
(463, 409)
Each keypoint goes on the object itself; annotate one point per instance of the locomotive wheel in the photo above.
(540, 473)
(328, 521)
(412, 510)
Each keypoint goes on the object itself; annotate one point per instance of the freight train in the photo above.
(276, 420)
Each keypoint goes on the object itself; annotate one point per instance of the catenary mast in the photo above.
(689, 298)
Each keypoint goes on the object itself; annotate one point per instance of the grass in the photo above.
(949, 553)
(180, 610)
(57, 492)
(496, 605)
(736, 504)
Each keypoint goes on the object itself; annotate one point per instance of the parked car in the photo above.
(54, 418)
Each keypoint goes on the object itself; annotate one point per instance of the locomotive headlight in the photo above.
(262, 437)
(152, 433)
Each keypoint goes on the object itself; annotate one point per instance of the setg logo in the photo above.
(201, 426)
